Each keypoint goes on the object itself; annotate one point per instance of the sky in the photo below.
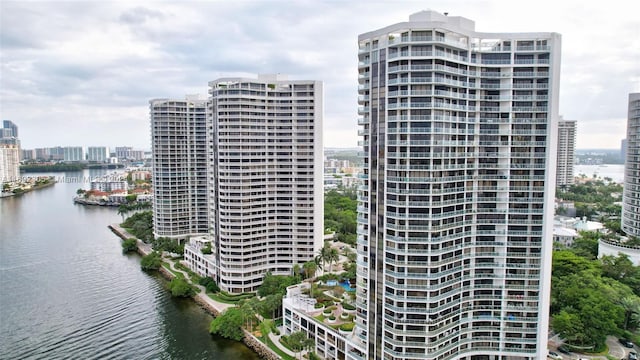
(82, 73)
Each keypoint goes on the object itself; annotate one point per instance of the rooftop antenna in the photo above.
(446, 14)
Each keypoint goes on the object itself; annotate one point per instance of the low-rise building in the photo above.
(202, 263)
(300, 313)
(109, 186)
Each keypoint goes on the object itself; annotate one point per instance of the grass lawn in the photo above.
(168, 267)
(277, 350)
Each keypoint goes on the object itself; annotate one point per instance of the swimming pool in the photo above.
(332, 282)
(347, 286)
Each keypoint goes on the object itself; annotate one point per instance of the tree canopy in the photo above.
(340, 214)
(228, 324)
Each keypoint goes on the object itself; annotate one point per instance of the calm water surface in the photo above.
(68, 292)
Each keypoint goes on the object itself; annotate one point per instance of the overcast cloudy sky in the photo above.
(82, 73)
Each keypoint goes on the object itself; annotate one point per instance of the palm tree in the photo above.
(322, 257)
(310, 268)
(308, 344)
(248, 308)
(332, 256)
(631, 307)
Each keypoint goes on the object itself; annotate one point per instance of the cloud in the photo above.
(66, 63)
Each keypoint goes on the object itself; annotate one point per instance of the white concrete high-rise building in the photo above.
(631, 196)
(9, 162)
(459, 136)
(179, 146)
(566, 152)
(73, 153)
(97, 153)
(265, 177)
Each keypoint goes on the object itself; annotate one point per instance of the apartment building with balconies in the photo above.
(265, 177)
(631, 193)
(566, 152)
(455, 215)
(179, 147)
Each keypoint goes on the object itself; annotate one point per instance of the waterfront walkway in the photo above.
(218, 306)
(276, 340)
(143, 248)
(201, 297)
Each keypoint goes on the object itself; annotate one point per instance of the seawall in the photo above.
(200, 298)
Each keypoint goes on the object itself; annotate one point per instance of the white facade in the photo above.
(566, 152)
(9, 162)
(73, 153)
(455, 216)
(97, 153)
(200, 263)
(179, 145)
(266, 176)
(613, 248)
(631, 196)
(299, 314)
(108, 186)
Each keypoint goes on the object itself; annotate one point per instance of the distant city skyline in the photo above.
(83, 72)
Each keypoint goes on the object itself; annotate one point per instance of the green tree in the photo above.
(129, 245)
(310, 268)
(631, 306)
(248, 308)
(181, 288)
(297, 341)
(206, 250)
(272, 304)
(153, 261)
(586, 245)
(275, 284)
(209, 284)
(332, 256)
(228, 324)
(622, 269)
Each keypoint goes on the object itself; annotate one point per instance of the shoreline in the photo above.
(80, 201)
(209, 305)
(34, 188)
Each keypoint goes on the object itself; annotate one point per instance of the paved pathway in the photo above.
(220, 307)
(616, 350)
(145, 248)
(276, 340)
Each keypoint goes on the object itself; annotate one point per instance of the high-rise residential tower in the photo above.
(9, 152)
(179, 146)
(9, 129)
(566, 152)
(265, 177)
(97, 153)
(9, 162)
(459, 135)
(631, 194)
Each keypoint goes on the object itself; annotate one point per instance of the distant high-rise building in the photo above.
(9, 152)
(566, 152)
(73, 153)
(265, 177)
(43, 154)
(631, 193)
(179, 146)
(9, 129)
(136, 155)
(9, 162)
(455, 215)
(57, 153)
(28, 154)
(123, 152)
(97, 153)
